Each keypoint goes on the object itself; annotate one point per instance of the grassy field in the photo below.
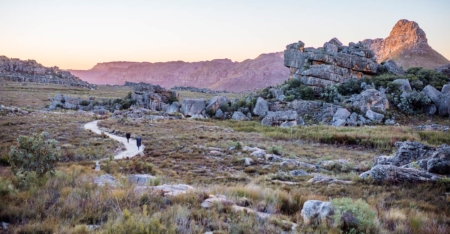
(199, 153)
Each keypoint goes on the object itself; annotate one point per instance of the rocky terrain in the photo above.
(331, 64)
(218, 74)
(30, 71)
(407, 45)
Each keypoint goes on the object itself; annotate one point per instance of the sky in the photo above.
(79, 34)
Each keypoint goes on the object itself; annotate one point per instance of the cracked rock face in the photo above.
(331, 64)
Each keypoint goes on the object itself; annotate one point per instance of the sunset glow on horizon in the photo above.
(79, 34)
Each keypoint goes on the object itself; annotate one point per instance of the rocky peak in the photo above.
(407, 45)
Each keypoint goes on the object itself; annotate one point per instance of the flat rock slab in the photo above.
(166, 189)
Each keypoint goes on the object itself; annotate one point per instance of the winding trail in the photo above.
(131, 148)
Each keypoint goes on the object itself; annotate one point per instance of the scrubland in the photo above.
(208, 155)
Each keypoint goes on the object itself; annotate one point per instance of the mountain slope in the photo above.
(407, 45)
(218, 74)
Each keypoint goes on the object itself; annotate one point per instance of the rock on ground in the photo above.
(315, 211)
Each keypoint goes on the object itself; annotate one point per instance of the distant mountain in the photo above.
(407, 45)
(218, 74)
(13, 69)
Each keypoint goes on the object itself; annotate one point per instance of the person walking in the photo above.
(138, 142)
(128, 135)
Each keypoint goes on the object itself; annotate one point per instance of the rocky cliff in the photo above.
(407, 45)
(30, 71)
(331, 64)
(218, 74)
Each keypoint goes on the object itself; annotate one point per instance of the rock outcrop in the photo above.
(192, 107)
(30, 71)
(218, 74)
(413, 161)
(331, 64)
(407, 45)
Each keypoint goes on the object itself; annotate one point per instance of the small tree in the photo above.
(34, 154)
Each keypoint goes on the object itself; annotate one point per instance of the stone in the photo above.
(394, 174)
(261, 107)
(106, 179)
(445, 89)
(191, 107)
(315, 211)
(408, 152)
(374, 116)
(370, 99)
(340, 117)
(330, 65)
(403, 85)
(251, 149)
(392, 67)
(277, 93)
(273, 158)
(352, 120)
(339, 164)
(140, 179)
(444, 105)
(321, 179)
(279, 117)
(216, 101)
(432, 93)
(219, 114)
(298, 173)
(259, 153)
(248, 161)
(289, 124)
(166, 189)
(389, 122)
(173, 108)
(237, 115)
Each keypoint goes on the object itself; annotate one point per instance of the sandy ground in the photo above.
(131, 148)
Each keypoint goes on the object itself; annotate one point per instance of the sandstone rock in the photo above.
(191, 107)
(315, 211)
(173, 108)
(288, 118)
(444, 105)
(432, 93)
(375, 117)
(261, 107)
(340, 117)
(370, 99)
(216, 101)
(237, 115)
(403, 85)
(298, 173)
(219, 114)
(445, 89)
(140, 179)
(392, 67)
(394, 174)
(332, 65)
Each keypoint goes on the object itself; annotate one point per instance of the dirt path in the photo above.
(131, 148)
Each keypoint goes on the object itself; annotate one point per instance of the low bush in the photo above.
(413, 103)
(353, 216)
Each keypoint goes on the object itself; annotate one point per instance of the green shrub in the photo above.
(359, 209)
(349, 87)
(330, 94)
(413, 103)
(34, 154)
(173, 98)
(225, 107)
(306, 93)
(289, 98)
(276, 149)
(85, 103)
(429, 77)
(210, 112)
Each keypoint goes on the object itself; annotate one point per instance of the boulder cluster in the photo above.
(30, 71)
(412, 162)
(331, 64)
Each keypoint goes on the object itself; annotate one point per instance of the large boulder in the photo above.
(445, 89)
(191, 107)
(393, 174)
(261, 107)
(239, 116)
(277, 93)
(444, 105)
(280, 117)
(173, 108)
(216, 101)
(374, 116)
(329, 65)
(340, 117)
(392, 67)
(370, 99)
(403, 85)
(432, 93)
(315, 211)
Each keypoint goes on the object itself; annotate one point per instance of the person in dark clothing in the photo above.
(128, 135)
(138, 142)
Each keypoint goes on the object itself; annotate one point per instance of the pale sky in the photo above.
(78, 34)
